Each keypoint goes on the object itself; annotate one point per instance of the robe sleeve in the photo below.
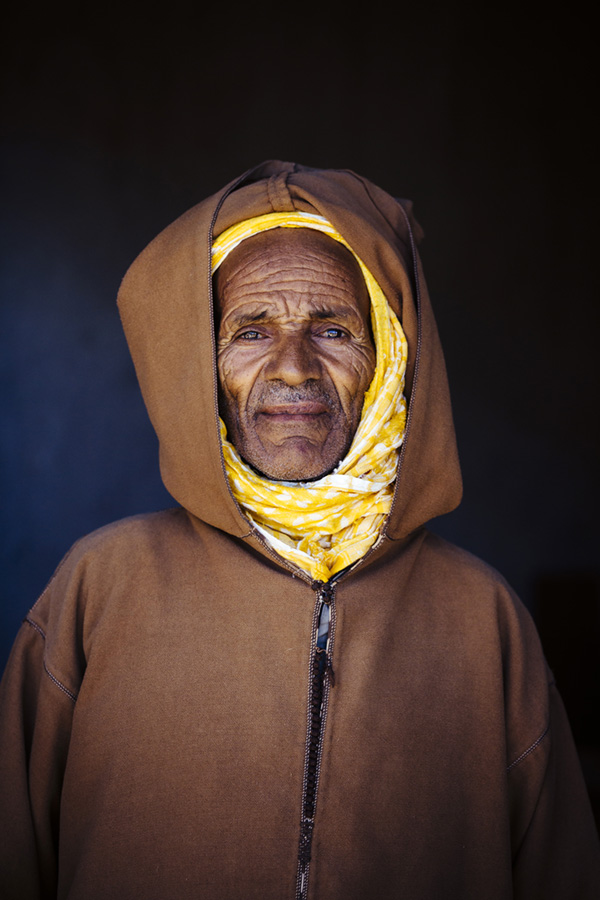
(36, 711)
(557, 853)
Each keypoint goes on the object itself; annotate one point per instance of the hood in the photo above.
(166, 308)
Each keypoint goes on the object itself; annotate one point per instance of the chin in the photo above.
(292, 473)
(291, 470)
(300, 460)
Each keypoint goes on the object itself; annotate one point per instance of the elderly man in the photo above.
(287, 687)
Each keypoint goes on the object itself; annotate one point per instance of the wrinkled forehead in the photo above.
(288, 259)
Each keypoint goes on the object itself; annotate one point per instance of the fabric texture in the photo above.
(169, 727)
(326, 525)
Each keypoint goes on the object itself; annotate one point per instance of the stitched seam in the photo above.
(36, 627)
(52, 677)
(59, 684)
(529, 749)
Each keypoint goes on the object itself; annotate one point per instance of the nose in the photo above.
(293, 360)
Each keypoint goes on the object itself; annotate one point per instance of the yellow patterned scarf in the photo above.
(325, 525)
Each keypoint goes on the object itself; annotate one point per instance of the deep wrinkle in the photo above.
(295, 352)
(327, 312)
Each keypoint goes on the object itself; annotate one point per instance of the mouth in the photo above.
(303, 409)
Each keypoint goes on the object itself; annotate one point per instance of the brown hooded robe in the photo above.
(165, 731)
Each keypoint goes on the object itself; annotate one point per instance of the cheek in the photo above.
(228, 405)
(352, 376)
(230, 372)
(236, 377)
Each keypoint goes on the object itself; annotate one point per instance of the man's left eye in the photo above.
(333, 333)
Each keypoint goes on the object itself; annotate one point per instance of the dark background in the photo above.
(112, 128)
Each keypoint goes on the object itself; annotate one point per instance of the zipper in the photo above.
(321, 680)
(321, 674)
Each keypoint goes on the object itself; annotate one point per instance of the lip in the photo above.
(292, 410)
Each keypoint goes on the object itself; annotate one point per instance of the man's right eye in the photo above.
(249, 335)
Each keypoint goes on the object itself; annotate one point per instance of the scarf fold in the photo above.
(324, 526)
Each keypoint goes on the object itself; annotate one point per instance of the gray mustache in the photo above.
(284, 393)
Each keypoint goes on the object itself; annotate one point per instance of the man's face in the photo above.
(295, 353)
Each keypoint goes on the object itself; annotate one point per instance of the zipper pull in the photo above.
(327, 593)
(323, 590)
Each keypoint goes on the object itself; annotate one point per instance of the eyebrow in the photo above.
(318, 314)
(250, 318)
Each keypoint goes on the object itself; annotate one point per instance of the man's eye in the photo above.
(249, 335)
(333, 333)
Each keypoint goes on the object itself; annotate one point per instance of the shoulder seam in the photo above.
(529, 749)
(52, 677)
(59, 684)
(35, 625)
